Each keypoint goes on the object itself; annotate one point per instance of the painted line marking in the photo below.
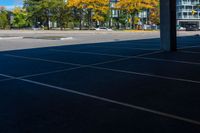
(75, 64)
(44, 73)
(145, 54)
(167, 60)
(189, 52)
(72, 51)
(114, 55)
(186, 47)
(122, 71)
(66, 38)
(130, 57)
(147, 74)
(149, 49)
(127, 105)
(6, 79)
(39, 59)
(51, 72)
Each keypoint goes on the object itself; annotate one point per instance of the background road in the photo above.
(73, 37)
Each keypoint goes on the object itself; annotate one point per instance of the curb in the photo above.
(8, 38)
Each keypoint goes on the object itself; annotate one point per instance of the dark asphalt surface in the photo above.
(118, 87)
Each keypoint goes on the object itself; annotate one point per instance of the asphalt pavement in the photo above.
(99, 82)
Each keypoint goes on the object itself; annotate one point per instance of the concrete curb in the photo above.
(8, 38)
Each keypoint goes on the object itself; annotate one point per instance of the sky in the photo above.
(10, 4)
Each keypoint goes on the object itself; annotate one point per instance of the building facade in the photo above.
(188, 12)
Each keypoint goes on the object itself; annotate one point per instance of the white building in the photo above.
(188, 12)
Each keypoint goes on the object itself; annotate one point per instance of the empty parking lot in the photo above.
(100, 82)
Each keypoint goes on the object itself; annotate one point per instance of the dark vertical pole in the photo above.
(168, 25)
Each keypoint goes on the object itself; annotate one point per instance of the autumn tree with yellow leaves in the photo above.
(91, 10)
(154, 14)
(133, 7)
(87, 13)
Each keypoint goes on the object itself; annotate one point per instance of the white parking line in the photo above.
(127, 105)
(116, 70)
(7, 79)
(56, 71)
(57, 62)
(67, 63)
(148, 49)
(189, 52)
(67, 38)
(94, 53)
(167, 60)
(186, 47)
(130, 57)
(147, 74)
(145, 54)
(39, 59)
(51, 72)
(72, 51)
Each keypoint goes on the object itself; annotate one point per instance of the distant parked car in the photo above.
(103, 29)
(146, 27)
(192, 27)
(150, 27)
(180, 28)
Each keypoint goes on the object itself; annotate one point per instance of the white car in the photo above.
(103, 29)
(182, 28)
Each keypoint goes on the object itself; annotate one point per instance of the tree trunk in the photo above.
(89, 19)
(61, 22)
(80, 20)
(132, 22)
(47, 23)
(133, 19)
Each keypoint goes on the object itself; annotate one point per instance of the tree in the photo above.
(87, 12)
(77, 6)
(154, 15)
(60, 12)
(133, 7)
(4, 20)
(123, 18)
(99, 8)
(95, 10)
(39, 11)
(19, 18)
